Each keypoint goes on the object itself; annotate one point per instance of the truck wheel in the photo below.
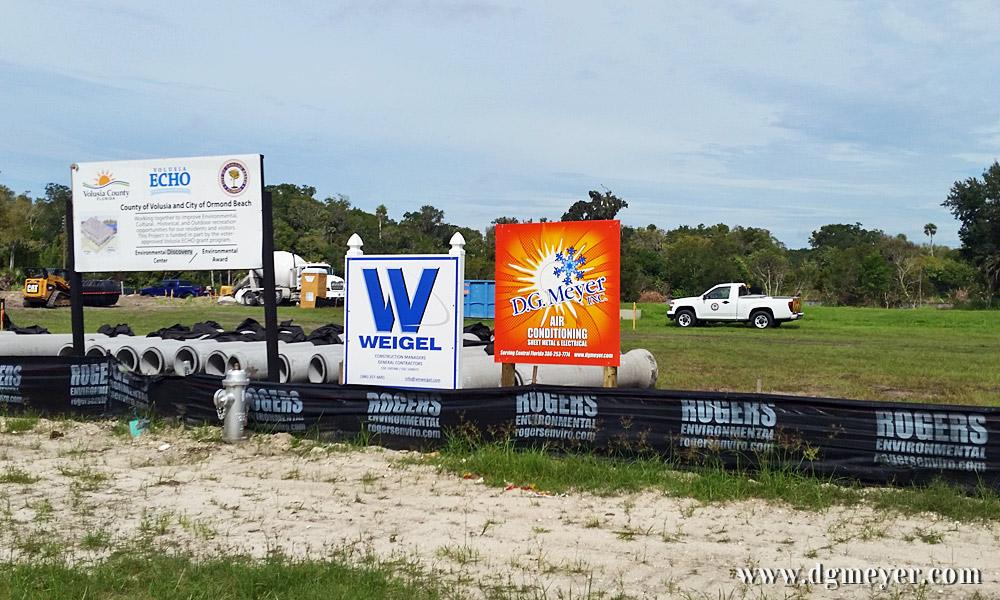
(761, 320)
(186, 295)
(250, 299)
(686, 318)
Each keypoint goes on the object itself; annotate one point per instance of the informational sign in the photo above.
(169, 214)
(403, 322)
(557, 290)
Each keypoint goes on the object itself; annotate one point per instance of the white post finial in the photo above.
(354, 246)
(457, 245)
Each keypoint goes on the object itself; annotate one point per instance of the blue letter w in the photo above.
(411, 312)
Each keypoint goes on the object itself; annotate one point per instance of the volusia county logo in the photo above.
(105, 184)
(233, 178)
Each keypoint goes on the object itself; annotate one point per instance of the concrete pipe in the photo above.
(479, 370)
(194, 354)
(158, 357)
(12, 344)
(129, 357)
(293, 362)
(191, 356)
(105, 347)
(95, 351)
(252, 358)
(130, 354)
(637, 370)
(324, 366)
(67, 348)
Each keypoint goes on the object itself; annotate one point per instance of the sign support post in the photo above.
(270, 301)
(75, 283)
(508, 374)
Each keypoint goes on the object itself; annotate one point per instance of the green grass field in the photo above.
(906, 355)
(924, 355)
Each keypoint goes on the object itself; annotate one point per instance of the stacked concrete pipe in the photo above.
(108, 346)
(295, 360)
(89, 339)
(158, 357)
(192, 357)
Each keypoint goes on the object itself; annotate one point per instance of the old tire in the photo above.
(761, 320)
(685, 318)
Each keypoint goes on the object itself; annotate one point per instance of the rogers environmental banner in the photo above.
(169, 214)
(557, 290)
(876, 442)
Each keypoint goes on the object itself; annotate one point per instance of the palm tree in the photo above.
(381, 212)
(929, 230)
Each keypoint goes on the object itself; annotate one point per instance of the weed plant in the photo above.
(501, 464)
(131, 574)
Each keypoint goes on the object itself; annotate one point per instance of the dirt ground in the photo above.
(13, 300)
(75, 490)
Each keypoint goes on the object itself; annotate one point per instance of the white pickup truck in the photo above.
(731, 302)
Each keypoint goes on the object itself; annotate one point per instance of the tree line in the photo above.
(845, 264)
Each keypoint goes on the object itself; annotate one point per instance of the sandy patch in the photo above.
(96, 490)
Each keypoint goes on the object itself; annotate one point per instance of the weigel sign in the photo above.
(403, 321)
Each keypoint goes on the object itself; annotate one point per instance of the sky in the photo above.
(785, 115)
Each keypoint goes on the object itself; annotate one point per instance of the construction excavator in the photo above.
(49, 288)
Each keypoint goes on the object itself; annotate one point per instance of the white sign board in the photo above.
(169, 214)
(403, 321)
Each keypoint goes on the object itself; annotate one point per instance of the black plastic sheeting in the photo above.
(873, 442)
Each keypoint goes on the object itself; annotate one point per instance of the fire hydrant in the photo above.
(231, 405)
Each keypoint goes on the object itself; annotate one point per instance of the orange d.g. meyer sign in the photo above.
(557, 290)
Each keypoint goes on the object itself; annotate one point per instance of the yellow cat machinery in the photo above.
(49, 288)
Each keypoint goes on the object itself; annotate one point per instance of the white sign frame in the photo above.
(168, 214)
(374, 352)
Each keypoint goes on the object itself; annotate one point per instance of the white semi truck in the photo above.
(288, 270)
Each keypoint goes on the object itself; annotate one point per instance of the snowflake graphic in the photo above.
(570, 268)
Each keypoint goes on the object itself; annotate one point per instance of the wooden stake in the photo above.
(508, 374)
(534, 375)
(758, 385)
(610, 377)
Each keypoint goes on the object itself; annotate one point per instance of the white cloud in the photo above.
(776, 115)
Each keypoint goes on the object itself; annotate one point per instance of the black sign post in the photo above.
(270, 299)
(75, 283)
